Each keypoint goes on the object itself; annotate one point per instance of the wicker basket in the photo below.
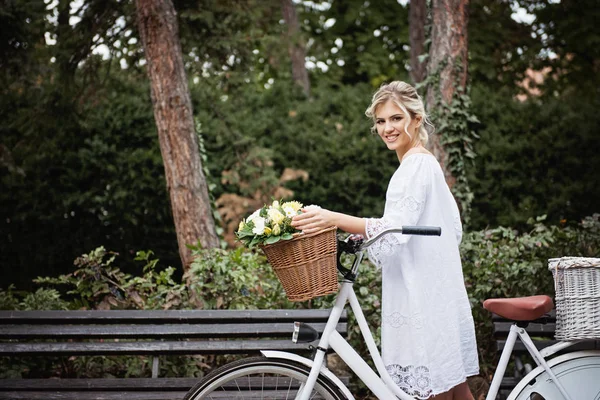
(577, 287)
(306, 265)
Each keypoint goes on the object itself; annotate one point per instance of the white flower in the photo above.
(259, 225)
(275, 204)
(253, 215)
(289, 211)
(312, 207)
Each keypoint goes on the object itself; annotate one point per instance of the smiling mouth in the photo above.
(391, 138)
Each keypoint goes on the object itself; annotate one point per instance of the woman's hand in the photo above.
(313, 219)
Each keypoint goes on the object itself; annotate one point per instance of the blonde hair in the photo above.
(405, 97)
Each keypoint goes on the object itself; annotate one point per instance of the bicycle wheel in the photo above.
(579, 373)
(261, 378)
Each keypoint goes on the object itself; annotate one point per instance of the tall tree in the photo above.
(417, 19)
(448, 61)
(296, 47)
(186, 183)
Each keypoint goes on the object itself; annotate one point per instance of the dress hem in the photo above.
(448, 387)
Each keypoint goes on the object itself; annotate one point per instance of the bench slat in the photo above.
(150, 348)
(138, 384)
(123, 384)
(162, 316)
(540, 344)
(66, 395)
(99, 384)
(544, 330)
(154, 331)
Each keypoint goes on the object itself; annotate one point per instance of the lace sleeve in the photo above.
(405, 201)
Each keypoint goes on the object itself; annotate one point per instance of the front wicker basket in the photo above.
(577, 297)
(306, 265)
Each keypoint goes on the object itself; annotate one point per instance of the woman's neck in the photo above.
(417, 148)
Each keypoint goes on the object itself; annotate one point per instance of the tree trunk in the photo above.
(448, 47)
(186, 182)
(296, 48)
(417, 20)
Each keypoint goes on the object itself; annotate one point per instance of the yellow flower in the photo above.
(276, 230)
(294, 205)
(267, 231)
(241, 226)
(275, 215)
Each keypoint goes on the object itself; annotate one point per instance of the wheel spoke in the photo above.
(263, 378)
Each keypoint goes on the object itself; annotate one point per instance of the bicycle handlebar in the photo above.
(405, 230)
(355, 244)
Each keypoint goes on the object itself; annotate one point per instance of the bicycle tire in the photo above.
(579, 372)
(261, 378)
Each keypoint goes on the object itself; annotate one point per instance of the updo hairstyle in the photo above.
(407, 99)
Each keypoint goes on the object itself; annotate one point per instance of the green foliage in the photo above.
(235, 279)
(98, 284)
(80, 165)
(534, 158)
(41, 299)
(328, 137)
(367, 43)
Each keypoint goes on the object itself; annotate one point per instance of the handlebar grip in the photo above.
(422, 230)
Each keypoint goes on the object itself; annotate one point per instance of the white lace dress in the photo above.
(427, 335)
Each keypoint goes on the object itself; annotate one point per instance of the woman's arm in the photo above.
(315, 219)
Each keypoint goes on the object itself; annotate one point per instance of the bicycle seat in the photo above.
(520, 308)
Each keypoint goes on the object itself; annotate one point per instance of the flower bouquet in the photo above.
(305, 264)
(269, 224)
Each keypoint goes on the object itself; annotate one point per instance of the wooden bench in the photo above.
(542, 334)
(146, 333)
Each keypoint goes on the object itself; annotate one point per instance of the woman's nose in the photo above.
(388, 127)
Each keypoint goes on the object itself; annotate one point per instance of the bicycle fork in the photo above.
(516, 331)
(382, 386)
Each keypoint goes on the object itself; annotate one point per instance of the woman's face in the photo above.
(391, 122)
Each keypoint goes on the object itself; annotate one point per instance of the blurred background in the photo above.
(278, 91)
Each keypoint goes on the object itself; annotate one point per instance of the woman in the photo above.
(428, 335)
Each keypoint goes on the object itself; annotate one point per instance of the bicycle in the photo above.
(277, 374)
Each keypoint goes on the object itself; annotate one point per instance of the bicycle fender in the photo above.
(308, 362)
(531, 376)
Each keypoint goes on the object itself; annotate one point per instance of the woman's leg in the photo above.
(462, 392)
(458, 392)
(443, 396)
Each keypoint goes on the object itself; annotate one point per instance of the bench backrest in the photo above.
(541, 332)
(149, 332)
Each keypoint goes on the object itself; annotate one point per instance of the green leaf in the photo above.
(272, 239)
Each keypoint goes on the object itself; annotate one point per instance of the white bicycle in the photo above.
(283, 375)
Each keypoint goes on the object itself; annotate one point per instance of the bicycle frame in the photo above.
(539, 358)
(384, 387)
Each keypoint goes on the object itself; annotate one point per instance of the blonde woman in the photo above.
(427, 334)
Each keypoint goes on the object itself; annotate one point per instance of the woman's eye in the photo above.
(397, 119)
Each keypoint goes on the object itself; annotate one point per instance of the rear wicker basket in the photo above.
(577, 287)
(306, 265)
